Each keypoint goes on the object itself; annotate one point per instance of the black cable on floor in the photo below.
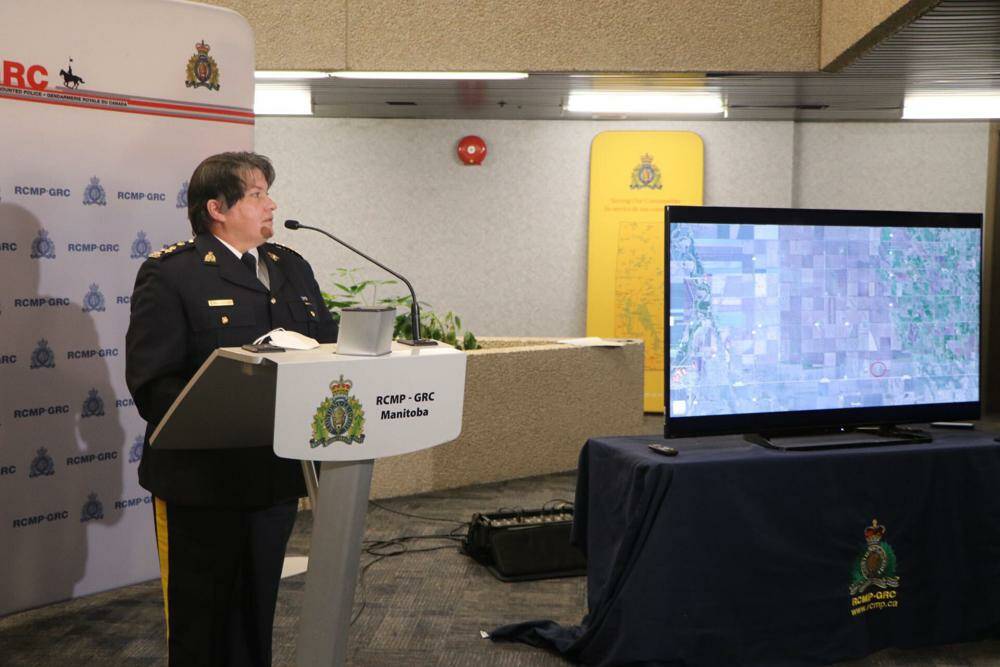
(400, 542)
(414, 516)
(375, 548)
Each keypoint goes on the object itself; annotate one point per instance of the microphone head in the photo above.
(291, 224)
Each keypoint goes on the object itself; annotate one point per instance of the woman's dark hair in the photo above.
(222, 176)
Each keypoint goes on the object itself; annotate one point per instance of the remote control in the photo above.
(666, 450)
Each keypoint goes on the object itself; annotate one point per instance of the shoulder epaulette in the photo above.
(285, 248)
(169, 250)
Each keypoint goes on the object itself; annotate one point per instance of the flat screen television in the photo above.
(785, 322)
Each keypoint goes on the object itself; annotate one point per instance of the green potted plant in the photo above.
(352, 291)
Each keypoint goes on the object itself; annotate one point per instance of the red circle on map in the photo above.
(878, 369)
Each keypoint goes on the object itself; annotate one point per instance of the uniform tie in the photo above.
(250, 262)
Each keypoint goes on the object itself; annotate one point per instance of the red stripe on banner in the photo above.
(130, 105)
(187, 107)
(150, 102)
(141, 112)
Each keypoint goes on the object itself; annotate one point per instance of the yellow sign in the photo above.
(633, 176)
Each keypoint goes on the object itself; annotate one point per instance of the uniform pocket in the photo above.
(305, 317)
(223, 326)
(299, 311)
(211, 318)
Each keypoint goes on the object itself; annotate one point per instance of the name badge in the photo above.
(215, 303)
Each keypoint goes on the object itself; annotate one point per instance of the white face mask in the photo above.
(290, 340)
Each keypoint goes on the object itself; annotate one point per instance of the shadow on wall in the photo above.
(58, 423)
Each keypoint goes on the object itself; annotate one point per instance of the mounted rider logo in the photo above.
(70, 80)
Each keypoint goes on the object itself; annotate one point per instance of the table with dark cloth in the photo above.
(733, 554)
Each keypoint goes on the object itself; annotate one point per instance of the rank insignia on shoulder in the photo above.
(209, 258)
(274, 258)
(167, 250)
(278, 245)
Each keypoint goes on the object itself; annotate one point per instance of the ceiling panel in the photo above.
(953, 48)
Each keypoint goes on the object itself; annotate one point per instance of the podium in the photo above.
(342, 411)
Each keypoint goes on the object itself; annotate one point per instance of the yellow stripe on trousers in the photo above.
(162, 543)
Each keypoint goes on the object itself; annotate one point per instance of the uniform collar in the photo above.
(239, 255)
(215, 252)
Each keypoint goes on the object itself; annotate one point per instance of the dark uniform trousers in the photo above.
(223, 517)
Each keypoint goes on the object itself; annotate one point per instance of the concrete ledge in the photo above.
(530, 404)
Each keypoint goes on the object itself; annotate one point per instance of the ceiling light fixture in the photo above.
(278, 100)
(435, 76)
(673, 103)
(288, 74)
(958, 106)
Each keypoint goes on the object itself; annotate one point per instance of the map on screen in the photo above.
(773, 318)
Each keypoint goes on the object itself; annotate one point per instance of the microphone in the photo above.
(414, 308)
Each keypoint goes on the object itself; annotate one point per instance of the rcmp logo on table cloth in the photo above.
(93, 194)
(875, 568)
(42, 465)
(201, 69)
(42, 246)
(339, 418)
(93, 300)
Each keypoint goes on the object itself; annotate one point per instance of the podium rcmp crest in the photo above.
(339, 418)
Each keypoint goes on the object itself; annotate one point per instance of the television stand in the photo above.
(838, 438)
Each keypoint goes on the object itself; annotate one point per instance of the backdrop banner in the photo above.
(633, 176)
(106, 107)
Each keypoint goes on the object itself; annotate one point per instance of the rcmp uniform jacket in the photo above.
(190, 299)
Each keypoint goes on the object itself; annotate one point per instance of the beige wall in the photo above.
(535, 35)
(571, 35)
(528, 410)
(295, 34)
(851, 27)
(599, 35)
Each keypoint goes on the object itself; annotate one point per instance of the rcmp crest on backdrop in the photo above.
(135, 451)
(182, 195)
(141, 246)
(43, 357)
(92, 509)
(339, 417)
(42, 465)
(42, 246)
(646, 174)
(93, 194)
(202, 72)
(93, 405)
(93, 300)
